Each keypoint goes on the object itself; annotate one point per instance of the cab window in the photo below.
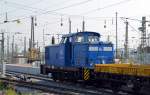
(79, 39)
(63, 40)
(70, 39)
(93, 39)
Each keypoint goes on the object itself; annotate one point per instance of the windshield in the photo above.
(63, 40)
(93, 39)
(79, 39)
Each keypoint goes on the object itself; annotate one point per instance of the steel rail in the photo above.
(65, 87)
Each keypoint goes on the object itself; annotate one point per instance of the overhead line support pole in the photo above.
(126, 42)
(116, 36)
(2, 55)
(69, 25)
(83, 26)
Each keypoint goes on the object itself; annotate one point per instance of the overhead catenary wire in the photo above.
(14, 3)
(53, 11)
(129, 25)
(131, 19)
(79, 3)
(60, 3)
(28, 7)
(69, 6)
(107, 6)
(49, 11)
(23, 7)
(69, 15)
(66, 14)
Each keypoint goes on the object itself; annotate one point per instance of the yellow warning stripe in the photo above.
(86, 77)
(86, 74)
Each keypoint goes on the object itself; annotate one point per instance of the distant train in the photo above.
(76, 55)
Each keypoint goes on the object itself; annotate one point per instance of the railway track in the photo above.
(49, 88)
(48, 85)
(40, 77)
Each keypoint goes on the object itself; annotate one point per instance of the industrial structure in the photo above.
(33, 52)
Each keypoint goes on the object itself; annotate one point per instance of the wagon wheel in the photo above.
(115, 87)
(136, 87)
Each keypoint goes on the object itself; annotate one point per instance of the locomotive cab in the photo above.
(84, 49)
(81, 37)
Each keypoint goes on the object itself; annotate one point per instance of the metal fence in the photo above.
(141, 58)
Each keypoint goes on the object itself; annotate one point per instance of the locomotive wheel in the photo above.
(54, 76)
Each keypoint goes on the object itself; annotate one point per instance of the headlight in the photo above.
(103, 62)
(91, 64)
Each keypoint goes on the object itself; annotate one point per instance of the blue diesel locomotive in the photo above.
(76, 55)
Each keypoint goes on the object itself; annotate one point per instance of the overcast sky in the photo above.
(96, 14)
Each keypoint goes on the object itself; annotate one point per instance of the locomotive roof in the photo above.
(82, 33)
